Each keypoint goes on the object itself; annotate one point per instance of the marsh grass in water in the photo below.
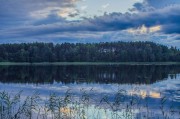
(85, 106)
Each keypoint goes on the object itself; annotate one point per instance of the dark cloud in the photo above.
(37, 19)
(149, 5)
(171, 28)
(158, 4)
(139, 7)
(73, 14)
(167, 17)
(13, 12)
(50, 19)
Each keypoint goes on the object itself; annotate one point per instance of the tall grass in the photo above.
(85, 106)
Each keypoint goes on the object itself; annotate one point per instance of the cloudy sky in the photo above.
(90, 21)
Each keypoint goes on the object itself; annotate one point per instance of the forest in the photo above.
(89, 52)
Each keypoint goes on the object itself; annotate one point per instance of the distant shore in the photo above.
(89, 63)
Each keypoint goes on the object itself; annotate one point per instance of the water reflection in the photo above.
(145, 82)
(121, 74)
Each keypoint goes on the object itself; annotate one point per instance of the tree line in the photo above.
(88, 52)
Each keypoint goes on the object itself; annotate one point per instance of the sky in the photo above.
(74, 21)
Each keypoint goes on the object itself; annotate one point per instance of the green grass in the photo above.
(90, 63)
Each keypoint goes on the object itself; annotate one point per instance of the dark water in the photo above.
(150, 82)
(121, 74)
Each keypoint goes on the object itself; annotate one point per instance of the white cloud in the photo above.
(83, 7)
(144, 30)
(105, 6)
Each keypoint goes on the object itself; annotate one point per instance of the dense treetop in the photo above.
(89, 52)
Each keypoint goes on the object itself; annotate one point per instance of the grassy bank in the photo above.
(90, 63)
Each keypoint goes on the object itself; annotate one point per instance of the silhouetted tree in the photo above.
(89, 52)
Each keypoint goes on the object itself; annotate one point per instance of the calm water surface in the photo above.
(147, 82)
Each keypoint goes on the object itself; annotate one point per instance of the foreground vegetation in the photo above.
(95, 52)
(85, 106)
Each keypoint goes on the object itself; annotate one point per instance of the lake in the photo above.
(129, 91)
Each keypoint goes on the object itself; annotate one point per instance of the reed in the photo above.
(85, 106)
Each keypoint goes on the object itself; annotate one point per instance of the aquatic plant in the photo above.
(85, 106)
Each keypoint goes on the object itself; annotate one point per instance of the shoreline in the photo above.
(89, 63)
